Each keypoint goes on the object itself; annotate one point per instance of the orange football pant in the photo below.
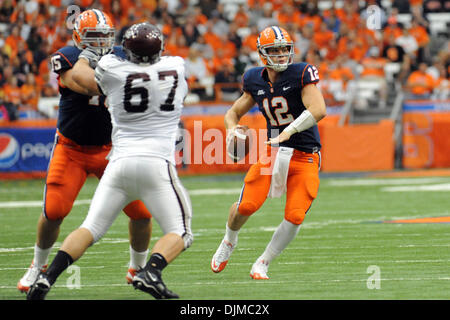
(67, 172)
(302, 186)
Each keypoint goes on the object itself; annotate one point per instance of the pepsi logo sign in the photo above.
(9, 150)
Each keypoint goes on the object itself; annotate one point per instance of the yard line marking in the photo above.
(433, 187)
(252, 282)
(445, 219)
(374, 182)
(195, 192)
(31, 204)
(205, 192)
(20, 204)
(3, 250)
(84, 267)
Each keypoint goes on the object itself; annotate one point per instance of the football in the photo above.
(238, 143)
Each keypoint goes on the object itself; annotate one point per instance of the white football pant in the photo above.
(150, 179)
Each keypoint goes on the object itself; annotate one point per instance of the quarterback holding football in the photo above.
(287, 96)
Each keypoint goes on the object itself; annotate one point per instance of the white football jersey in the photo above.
(145, 103)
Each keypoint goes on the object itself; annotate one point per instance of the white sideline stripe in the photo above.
(197, 192)
(204, 192)
(433, 187)
(30, 204)
(375, 182)
(86, 267)
(3, 250)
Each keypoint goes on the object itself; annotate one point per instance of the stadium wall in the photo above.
(426, 142)
(25, 145)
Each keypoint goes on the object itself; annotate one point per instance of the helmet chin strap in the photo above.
(278, 67)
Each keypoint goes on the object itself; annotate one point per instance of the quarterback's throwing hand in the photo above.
(91, 56)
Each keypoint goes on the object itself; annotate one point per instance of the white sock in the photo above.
(137, 259)
(284, 234)
(40, 256)
(231, 236)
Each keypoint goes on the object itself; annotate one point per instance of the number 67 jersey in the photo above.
(281, 102)
(145, 102)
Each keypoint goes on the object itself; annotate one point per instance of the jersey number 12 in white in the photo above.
(314, 73)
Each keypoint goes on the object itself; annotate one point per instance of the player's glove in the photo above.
(91, 56)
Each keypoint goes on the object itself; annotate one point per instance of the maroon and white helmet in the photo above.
(143, 43)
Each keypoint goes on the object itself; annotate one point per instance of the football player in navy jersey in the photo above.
(287, 96)
(82, 143)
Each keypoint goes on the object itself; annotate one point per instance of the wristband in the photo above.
(305, 121)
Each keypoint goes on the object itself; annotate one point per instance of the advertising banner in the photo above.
(426, 142)
(25, 150)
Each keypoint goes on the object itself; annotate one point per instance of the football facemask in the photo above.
(94, 29)
(275, 37)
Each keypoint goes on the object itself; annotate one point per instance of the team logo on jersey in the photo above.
(9, 150)
(261, 92)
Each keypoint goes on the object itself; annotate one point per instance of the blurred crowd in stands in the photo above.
(218, 41)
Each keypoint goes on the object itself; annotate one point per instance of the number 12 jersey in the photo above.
(281, 102)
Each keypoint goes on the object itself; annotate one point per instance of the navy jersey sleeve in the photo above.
(310, 74)
(64, 59)
(250, 79)
(245, 82)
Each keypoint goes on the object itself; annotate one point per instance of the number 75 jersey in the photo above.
(281, 102)
(145, 102)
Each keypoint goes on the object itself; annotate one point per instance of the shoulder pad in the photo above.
(309, 74)
(64, 58)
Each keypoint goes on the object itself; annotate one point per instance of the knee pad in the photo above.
(247, 208)
(56, 206)
(295, 216)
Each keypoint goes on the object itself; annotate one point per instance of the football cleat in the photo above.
(221, 257)
(150, 281)
(130, 275)
(259, 270)
(30, 277)
(39, 289)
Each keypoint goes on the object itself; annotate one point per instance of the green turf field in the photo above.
(343, 250)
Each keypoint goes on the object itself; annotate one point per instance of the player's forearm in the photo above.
(231, 119)
(84, 77)
(240, 107)
(315, 111)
